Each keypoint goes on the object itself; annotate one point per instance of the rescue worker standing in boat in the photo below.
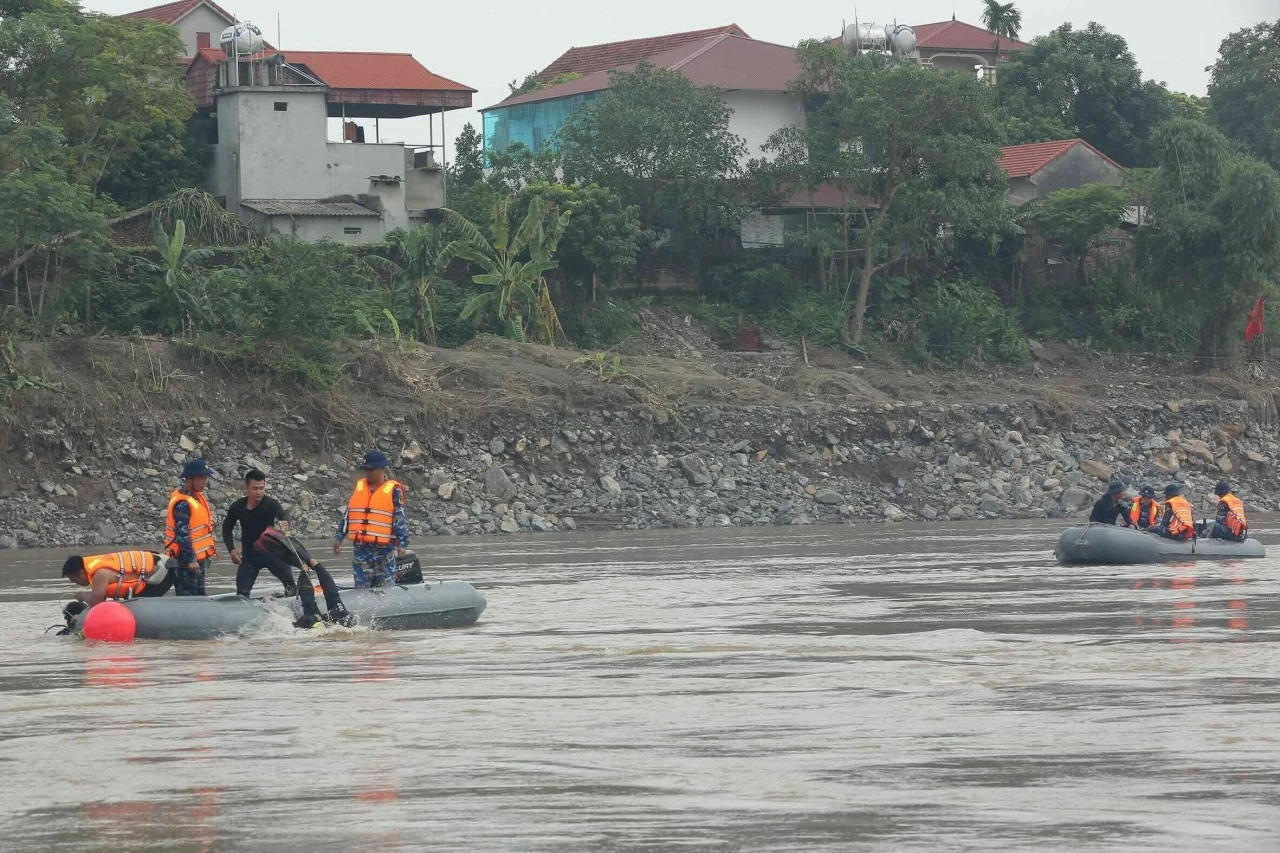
(375, 523)
(1145, 512)
(1110, 506)
(188, 529)
(1230, 524)
(1179, 517)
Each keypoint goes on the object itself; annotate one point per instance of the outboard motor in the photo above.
(410, 571)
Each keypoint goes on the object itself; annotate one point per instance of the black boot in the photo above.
(340, 616)
(307, 620)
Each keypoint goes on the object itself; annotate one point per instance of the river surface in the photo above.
(843, 688)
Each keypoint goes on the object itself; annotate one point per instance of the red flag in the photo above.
(1254, 328)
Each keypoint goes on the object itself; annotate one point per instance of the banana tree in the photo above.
(516, 299)
(180, 300)
(427, 251)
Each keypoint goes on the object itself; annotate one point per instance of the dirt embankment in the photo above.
(667, 430)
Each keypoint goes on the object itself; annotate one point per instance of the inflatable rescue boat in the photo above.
(1115, 545)
(444, 604)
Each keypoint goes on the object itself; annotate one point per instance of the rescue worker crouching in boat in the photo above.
(188, 529)
(1179, 517)
(121, 575)
(1110, 506)
(1145, 512)
(376, 524)
(1230, 523)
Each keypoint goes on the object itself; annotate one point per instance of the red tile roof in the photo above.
(352, 70)
(957, 35)
(170, 13)
(1023, 161)
(602, 57)
(724, 61)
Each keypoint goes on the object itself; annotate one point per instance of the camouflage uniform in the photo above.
(186, 581)
(374, 565)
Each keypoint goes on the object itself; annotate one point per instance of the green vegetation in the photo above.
(926, 258)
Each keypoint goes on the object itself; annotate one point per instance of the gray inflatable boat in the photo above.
(445, 604)
(1115, 545)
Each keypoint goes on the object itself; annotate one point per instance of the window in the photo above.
(351, 229)
(202, 40)
(282, 106)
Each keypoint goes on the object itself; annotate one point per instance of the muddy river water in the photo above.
(843, 688)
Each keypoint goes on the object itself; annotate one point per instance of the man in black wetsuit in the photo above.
(255, 512)
(1111, 506)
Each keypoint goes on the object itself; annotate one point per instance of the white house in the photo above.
(274, 163)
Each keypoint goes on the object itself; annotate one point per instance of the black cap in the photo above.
(1172, 489)
(1222, 488)
(1148, 492)
(1116, 488)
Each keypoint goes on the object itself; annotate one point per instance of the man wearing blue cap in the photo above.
(375, 523)
(188, 529)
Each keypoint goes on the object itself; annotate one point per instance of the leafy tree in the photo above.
(662, 144)
(106, 83)
(516, 299)
(1077, 217)
(467, 168)
(913, 151)
(603, 236)
(1003, 19)
(1244, 89)
(162, 162)
(1082, 83)
(1215, 229)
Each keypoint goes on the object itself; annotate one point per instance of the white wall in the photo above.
(313, 228)
(201, 19)
(280, 154)
(757, 115)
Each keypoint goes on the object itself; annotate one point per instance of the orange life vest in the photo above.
(1144, 519)
(133, 569)
(1235, 515)
(202, 540)
(370, 513)
(1181, 518)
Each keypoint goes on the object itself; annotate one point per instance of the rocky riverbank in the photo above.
(504, 440)
(605, 468)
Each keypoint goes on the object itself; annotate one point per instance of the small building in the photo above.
(753, 75)
(1039, 168)
(956, 46)
(274, 164)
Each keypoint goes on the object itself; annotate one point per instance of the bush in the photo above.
(754, 283)
(451, 329)
(817, 317)
(964, 322)
(601, 325)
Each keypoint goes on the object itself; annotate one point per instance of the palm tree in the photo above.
(517, 298)
(1003, 19)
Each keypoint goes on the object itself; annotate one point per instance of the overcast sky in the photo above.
(489, 43)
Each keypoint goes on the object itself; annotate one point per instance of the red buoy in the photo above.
(110, 622)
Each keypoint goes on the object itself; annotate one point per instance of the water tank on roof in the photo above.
(243, 39)
(902, 39)
(898, 39)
